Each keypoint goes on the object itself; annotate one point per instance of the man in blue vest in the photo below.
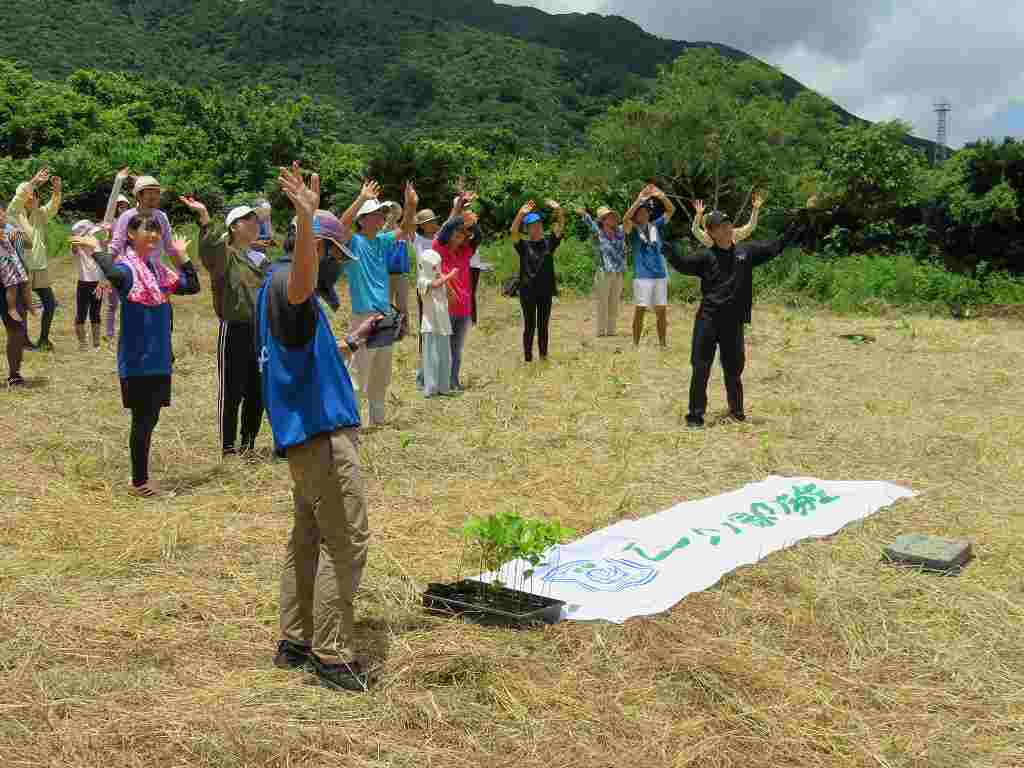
(314, 415)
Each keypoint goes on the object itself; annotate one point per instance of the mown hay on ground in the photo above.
(140, 634)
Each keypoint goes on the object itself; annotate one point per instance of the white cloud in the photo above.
(875, 58)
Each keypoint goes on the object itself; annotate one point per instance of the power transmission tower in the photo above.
(942, 110)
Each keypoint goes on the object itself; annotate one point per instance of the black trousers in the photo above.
(536, 317)
(144, 420)
(725, 334)
(240, 385)
(87, 304)
(474, 281)
(49, 308)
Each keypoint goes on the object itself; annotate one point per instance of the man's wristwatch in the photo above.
(351, 342)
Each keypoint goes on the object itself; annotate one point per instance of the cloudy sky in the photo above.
(879, 59)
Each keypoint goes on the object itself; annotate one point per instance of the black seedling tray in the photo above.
(494, 606)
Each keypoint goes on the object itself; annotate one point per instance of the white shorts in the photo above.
(650, 292)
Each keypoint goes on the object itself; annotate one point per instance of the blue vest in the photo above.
(306, 390)
(144, 344)
(398, 259)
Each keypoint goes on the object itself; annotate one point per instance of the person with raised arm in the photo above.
(727, 295)
(609, 242)
(237, 270)
(144, 359)
(650, 275)
(537, 286)
(457, 241)
(314, 416)
(117, 204)
(33, 220)
(740, 233)
(368, 281)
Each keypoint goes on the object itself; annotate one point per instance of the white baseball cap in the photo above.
(371, 206)
(238, 213)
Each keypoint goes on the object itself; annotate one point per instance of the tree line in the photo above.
(712, 128)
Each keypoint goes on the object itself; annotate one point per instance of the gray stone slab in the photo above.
(930, 552)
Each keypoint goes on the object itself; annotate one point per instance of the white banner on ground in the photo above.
(640, 567)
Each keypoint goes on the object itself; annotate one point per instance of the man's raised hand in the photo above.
(306, 199)
(758, 200)
(41, 177)
(198, 208)
(698, 207)
(370, 190)
(411, 198)
(529, 207)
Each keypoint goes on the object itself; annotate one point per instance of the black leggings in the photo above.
(536, 316)
(87, 303)
(49, 307)
(474, 282)
(144, 419)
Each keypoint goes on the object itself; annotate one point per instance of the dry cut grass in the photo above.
(140, 634)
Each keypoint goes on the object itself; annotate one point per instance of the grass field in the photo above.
(138, 633)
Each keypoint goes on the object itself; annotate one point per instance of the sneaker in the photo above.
(340, 677)
(694, 422)
(291, 655)
(227, 452)
(738, 416)
(16, 381)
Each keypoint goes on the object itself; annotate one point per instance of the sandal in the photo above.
(144, 491)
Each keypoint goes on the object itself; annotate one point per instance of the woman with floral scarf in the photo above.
(144, 344)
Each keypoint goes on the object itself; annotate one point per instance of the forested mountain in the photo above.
(496, 76)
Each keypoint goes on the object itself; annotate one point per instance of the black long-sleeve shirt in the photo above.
(726, 274)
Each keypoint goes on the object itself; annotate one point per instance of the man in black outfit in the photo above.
(726, 282)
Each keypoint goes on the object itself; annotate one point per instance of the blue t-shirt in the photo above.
(649, 263)
(368, 277)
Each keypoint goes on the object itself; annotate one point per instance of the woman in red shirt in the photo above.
(457, 241)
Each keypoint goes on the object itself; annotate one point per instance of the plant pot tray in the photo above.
(486, 604)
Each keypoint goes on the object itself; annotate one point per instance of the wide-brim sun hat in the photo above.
(239, 212)
(604, 211)
(425, 216)
(145, 182)
(717, 217)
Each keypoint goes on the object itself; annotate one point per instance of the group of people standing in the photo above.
(277, 352)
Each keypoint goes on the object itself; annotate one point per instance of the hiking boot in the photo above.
(291, 655)
(741, 417)
(695, 422)
(16, 380)
(340, 677)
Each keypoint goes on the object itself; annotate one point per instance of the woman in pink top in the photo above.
(457, 241)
